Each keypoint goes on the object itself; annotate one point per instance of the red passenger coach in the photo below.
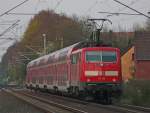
(80, 71)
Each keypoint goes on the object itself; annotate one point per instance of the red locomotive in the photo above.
(79, 71)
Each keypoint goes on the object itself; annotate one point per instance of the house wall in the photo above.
(142, 69)
(142, 55)
(127, 63)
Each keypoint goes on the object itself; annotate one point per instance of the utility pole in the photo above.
(44, 41)
(62, 42)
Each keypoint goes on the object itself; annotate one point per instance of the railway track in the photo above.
(46, 105)
(123, 108)
(78, 106)
(140, 108)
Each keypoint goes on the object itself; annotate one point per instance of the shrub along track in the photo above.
(70, 105)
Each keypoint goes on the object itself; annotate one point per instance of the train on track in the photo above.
(79, 70)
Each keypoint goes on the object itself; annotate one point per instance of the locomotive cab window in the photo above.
(101, 56)
(109, 56)
(93, 56)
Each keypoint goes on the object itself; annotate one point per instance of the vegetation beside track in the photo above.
(137, 92)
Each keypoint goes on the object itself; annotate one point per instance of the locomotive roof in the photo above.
(65, 51)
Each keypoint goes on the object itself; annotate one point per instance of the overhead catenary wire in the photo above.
(4, 24)
(132, 8)
(123, 8)
(22, 14)
(118, 13)
(8, 38)
(130, 4)
(9, 28)
(13, 8)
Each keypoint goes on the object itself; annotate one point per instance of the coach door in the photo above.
(75, 68)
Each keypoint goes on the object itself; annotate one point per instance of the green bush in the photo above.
(137, 92)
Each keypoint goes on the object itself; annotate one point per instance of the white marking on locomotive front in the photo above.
(91, 73)
(111, 73)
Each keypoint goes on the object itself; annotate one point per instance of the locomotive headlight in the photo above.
(91, 73)
(111, 73)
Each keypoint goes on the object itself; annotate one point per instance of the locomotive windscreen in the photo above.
(101, 56)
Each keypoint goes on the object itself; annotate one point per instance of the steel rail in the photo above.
(74, 110)
(27, 101)
(48, 102)
(140, 108)
(118, 108)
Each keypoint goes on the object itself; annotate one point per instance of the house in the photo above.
(136, 61)
(142, 55)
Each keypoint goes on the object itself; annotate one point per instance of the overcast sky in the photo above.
(79, 7)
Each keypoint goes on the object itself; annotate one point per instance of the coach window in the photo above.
(74, 58)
